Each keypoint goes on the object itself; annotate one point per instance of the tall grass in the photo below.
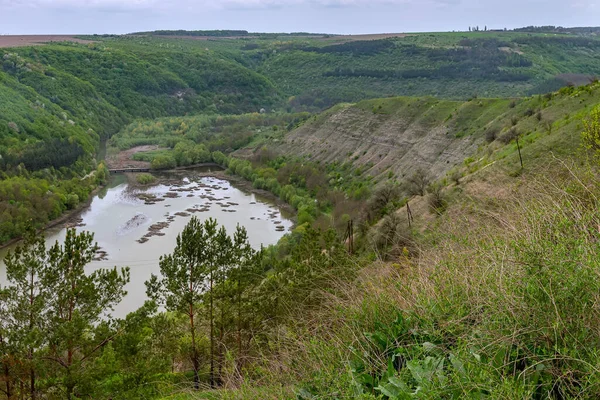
(502, 302)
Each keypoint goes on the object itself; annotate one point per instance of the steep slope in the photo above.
(397, 135)
(496, 300)
(394, 137)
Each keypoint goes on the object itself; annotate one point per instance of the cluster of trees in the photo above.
(357, 47)
(216, 133)
(51, 308)
(222, 303)
(55, 153)
(191, 140)
(558, 29)
(558, 41)
(314, 190)
(36, 199)
(193, 284)
(447, 72)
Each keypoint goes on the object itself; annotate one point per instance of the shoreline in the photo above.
(239, 182)
(63, 219)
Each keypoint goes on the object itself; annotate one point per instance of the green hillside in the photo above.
(59, 101)
(466, 280)
(445, 246)
(72, 96)
(315, 72)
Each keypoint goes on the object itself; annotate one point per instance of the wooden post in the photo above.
(350, 236)
(410, 216)
(519, 149)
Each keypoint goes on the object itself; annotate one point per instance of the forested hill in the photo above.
(58, 100)
(99, 88)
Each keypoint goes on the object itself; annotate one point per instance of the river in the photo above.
(135, 226)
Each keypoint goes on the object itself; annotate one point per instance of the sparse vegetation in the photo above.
(509, 135)
(417, 183)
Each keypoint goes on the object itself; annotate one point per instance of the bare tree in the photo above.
(417, 183)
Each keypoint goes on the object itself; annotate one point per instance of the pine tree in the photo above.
(26, 304)
(77, 301)
(189, 276)
(245, 274)
(210, 269)
(5, 352)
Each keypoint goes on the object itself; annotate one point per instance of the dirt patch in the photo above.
(37, 40)
(123, 159)
(510, 50)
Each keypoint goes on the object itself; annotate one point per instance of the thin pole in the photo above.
(519, 149)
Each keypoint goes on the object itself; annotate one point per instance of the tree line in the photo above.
(221, 303)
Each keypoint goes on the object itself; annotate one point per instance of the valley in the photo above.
(383, 216)
(135, 226)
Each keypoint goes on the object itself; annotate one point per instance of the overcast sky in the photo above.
(323, 16)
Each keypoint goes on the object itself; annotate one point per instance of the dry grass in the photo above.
(494, 275)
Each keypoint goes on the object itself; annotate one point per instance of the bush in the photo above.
(391, 237)
(455, 176)
(509, 136)
(163, 162)
(491, 134)
(72, 201)
(436, 200)
(382, 201)
(538, 115)
(305, 217)
(417, 183)
(145, 179)
(591, 131)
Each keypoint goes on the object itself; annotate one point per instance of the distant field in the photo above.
(373, 36)
(35, 40)
(196, 37)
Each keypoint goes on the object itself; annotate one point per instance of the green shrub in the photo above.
(163, 162)
(145, 179)
(591, 132)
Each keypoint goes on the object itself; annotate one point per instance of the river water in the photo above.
(134, 227)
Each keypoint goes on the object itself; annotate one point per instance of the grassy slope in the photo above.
(502, 290)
